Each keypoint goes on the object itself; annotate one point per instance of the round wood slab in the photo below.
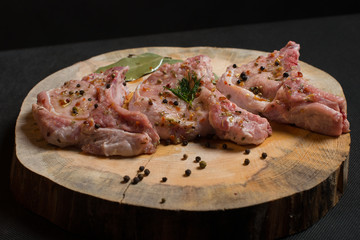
(303, 176)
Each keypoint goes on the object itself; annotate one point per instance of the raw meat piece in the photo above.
(253, 85)
(89, 114)
(274, 86)
(209, 112)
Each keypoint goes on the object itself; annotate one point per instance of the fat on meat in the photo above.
(273, 86)
(88, 114)
(209, 113)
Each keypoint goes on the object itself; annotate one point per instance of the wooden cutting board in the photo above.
(302, 177)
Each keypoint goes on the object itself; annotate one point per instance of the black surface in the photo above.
(328, 43)
(26, 23)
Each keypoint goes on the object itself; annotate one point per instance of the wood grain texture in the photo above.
(303, 176)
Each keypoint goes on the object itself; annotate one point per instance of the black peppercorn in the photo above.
(135, 180)
(247, 151)
(126, 178)
(285, 74)
(146, 172)
(78, 85)
(263, 155)
(262, 68)
(187, 172)
(234, 66)
(246, 162)
(97, 125)
(197, 159)
(243, 76)
(96, 105)
(140, 176)
(164, 179)
(165, 101)
(107, 85)
(176, 103)
(224, 146)
(141, 168)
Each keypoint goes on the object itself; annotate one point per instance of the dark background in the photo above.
(33, 23)
(38, 38)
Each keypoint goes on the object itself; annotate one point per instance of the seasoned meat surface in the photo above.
(274, 86)
(253, 85)
(89, 114)
(207, 112)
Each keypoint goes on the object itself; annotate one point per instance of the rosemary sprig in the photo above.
(184, 90)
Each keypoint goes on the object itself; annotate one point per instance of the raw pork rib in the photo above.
(89, 114)
(274, 86)
(210, 112)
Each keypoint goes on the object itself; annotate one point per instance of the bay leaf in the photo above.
(140, 65)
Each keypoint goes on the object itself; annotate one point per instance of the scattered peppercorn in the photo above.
(246, 162)
(140, 176)
(176, 103)
(247, 151)
(141, 168)
(187, 172)
(150, 102)
(165, 100)
(146, 172)
(262, 68)
(81, 92)
(89, 99)
(124, 83)
(96, 105)
(135, 180)
(263, 155)
(97, 126)
(163, 200)
(202, 164)
(255, 90)
(185, 142)
(285, 74)
(234, 66)
(243, 76)
(224, 146)
(78, 85)
(126, 178)
(164, 179)
(107, 85)
(185, 156)
(197, 159)
(238, 81)
(74, 111)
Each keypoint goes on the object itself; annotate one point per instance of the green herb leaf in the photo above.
(170, 60)
(140, 65)
(184, 90)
